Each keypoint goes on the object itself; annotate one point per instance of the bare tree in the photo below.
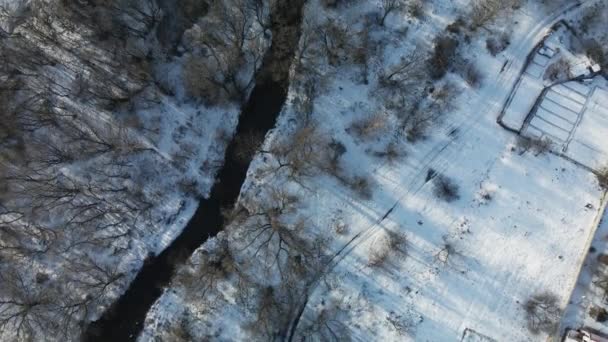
(484, 11)
(370, 127)
(327, 322)
(387, 7)
(445, 188)
(25, 310)
(542, 312)
(335, 42)
(391, 242)
(304, 153)
(404, 73)
(271, 233)
(226, 55)
(204, 274)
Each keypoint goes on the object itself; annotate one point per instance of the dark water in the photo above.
(124, 320)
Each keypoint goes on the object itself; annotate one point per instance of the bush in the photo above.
(445, 188)
(456, 27)
(596, 53)
(542, 313)
(336, 151)
(484, 11)
(496, 46)
(538, 145)
(362, 186)
(558, 71)
(369, 127)
(387, 244)
(484, 196)
(541, 146)
(602, 177)
(598, 314)
(416, 8)
(443, 56)
(472, 75)
(199, 85)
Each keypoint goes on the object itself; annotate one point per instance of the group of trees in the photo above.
(72, 197)
(225, 49)
(273, 231)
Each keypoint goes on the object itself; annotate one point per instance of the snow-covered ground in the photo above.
(589, 290)
(586, 144)
(520, 226)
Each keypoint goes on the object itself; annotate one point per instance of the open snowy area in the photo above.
(306, 170)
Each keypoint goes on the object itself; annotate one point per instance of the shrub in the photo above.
(602, 177)
(445, 188)
(378, 256)
(484, 196)
(340, 228)
(541, 146)
(496, 46)
(336, 42)
(390, 242)
(558, 71)
(542, 313)
(484, 11)
(416, 8)
(538, 145)
(596, 53)
(443, 56)
(200, 86)
(456, 27)
(387, 7)
(336, 151)
(472, 75)
(369, 127)
(362, 186)
(598, 314)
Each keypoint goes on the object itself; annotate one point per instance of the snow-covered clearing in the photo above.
(517, 225)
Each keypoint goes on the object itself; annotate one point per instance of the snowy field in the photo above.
(519, 225)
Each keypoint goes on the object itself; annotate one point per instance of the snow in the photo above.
(575, 117)
(520, 227)
(586, 293)
(588, 145)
